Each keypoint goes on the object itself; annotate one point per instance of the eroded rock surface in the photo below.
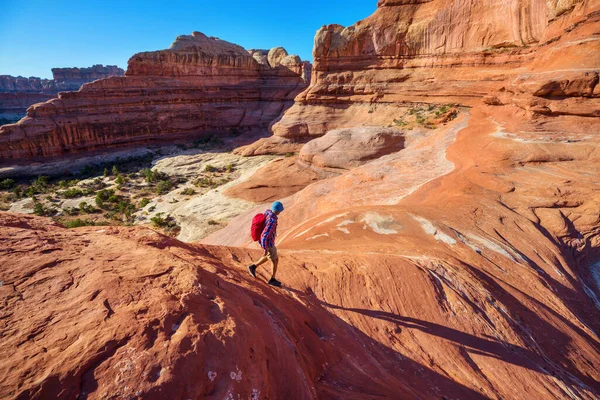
(199, 85)
(352, 147)
(531, 54)
(18, 93)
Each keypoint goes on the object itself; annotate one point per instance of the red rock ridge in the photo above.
(507, 52)
(18, 93)
(199, 85)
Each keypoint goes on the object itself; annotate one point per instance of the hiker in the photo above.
(267, 239)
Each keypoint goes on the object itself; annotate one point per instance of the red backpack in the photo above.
(258, 226)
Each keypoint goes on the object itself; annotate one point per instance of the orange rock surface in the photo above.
(525, 52)
(465, 265)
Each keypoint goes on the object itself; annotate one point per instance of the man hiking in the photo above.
(267, 242)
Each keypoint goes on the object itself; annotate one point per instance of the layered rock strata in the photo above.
(529, 53)
(199, 85)
(18, 93)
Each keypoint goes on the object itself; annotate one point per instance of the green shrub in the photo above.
(115, 170)
(106, 173)
(205, 182)
(103, 196)
(76, 223)
(289, 154)
(71, 193)
(163, 187)
(167, 222)
(144, 202)
(39, 209)
(209, 168)
(212, 222)
(188, 192)
(229, 168)
(86, 208)
(120, 180)
(7, 184)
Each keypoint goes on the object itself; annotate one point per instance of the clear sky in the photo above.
(36, 35)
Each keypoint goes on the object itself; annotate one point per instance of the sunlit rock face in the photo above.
(539, 55)
(199, 85)
(18, 93)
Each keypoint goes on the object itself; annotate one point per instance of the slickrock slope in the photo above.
(199, 85)
(465, 265)
(542, 56)
(128, 313)
(18, 93)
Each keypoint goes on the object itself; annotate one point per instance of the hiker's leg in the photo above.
(263, 259)
(275, 262)
(274, 259)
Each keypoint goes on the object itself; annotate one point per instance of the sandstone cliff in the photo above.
(199, 85)
(69, 79)
(519, 52)
(18, 93)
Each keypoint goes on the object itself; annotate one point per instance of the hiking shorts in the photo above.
(271, 253)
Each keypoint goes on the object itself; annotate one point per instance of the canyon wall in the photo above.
(18, 93)
(520, 52)
(199, 85)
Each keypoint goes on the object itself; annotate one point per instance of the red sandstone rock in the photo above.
(68, 79)
(454, 52)
(352, 147)
(199, 85)
(18, 93)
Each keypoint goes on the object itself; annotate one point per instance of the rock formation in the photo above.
(515, 52)
(199, 85)
(18, 93)
(465, 265)
(70, 79)
(352, 147)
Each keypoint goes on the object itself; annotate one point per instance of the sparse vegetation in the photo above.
(209, 168)
(144, 202)
(430, 116)
(40, 209)
(71, 193)
(163, 187)
(167, 223)
(76, 223)
(7, 184)
(188, 192)
(212, 222)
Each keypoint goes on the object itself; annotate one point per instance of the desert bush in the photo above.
(188, 192)
(167, 223)
(86, 208)
(144, 202)
(163, 187)
(76, 223)
(40, 209)
(7, 184)
(210, 168)
(71, 193)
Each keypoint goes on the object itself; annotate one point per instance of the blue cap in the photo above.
(277, 206)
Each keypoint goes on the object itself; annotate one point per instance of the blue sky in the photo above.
(36, 35)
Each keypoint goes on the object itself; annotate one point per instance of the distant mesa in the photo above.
(17, 93)
(199, 85)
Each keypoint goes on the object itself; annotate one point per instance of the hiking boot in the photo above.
(252, 270)
(274, 282)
